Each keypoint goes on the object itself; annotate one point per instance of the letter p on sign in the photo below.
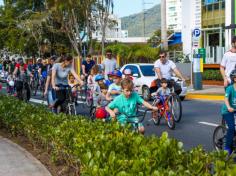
(196, 33)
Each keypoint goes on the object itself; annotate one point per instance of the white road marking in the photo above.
(209, 124)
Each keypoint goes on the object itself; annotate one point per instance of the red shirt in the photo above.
(25, 66)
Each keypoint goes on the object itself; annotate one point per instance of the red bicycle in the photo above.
(163, 104)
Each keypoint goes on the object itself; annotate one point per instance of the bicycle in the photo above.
(69, 105)
(135, 120)
(163, 103)
(22, 92)
(219, 136)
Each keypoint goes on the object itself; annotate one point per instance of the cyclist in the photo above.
(126, 103)
(87, 65)
(115, 88)
(128, 74)
(22, 74)
(49, 91)
(164, 68)
(109, 64)
(227, 112)
(60, 72)
(96, 89)
(109, 81)
(12, 66)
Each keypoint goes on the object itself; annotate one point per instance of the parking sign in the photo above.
(196, 33)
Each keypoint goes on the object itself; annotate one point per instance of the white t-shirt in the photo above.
(166, 69)
(109, 65)
(228, 62)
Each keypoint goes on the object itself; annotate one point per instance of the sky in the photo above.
(128, 7)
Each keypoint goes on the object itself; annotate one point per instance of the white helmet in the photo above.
(127, 71)
(11, 83)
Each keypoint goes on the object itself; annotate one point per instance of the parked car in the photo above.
(144, 74)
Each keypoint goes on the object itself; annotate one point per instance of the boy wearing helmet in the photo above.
(227, 112)
(99, 79)
(115, 88)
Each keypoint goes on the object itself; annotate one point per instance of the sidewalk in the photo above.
(16, 161)
(207, 93)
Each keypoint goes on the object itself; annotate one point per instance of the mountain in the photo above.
(134, 23)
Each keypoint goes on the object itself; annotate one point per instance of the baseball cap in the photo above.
(117, 73)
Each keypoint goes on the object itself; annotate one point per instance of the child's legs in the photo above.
(229, 119)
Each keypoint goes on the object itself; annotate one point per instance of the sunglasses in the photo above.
(162, 56)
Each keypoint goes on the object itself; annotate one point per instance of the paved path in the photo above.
(16, 161)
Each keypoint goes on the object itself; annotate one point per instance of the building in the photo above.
(213, 24)
(230, 21)
(113, 30)
(191, 19)
(173, 15)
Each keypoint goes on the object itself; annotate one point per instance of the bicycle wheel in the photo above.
(156, 118)
(92, 113)
(218, 137)
(170, 120)
(176, 106)
(89, 100)
(71, 109)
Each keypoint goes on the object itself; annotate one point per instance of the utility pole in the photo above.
(144, 16)
(163, 26)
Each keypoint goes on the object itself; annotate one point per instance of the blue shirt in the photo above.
(88, 66)
(230, 94)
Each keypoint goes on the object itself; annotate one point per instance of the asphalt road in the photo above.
(195, 128)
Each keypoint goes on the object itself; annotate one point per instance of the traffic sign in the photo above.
(196, 33)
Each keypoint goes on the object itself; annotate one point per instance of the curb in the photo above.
(215, 97)
(41, 169)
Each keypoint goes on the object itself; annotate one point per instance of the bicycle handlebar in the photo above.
(135, 116)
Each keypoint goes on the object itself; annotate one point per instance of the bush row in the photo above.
(97, 148)
(212, 74)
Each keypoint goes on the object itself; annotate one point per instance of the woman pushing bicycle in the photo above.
(60, 72)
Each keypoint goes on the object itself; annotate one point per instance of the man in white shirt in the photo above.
(228, 63)
(164, 69)
(109, 64)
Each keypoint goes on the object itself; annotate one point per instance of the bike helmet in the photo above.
(127, 71)
(100, 113)
(233, 75)
(99, 77)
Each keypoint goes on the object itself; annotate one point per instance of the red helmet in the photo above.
(100, 113)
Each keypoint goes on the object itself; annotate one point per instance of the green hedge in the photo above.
(96, 148)
(212, 74)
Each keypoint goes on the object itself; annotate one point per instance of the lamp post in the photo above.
(163, 25)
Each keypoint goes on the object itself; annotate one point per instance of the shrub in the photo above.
(212, 74)
(97, 148)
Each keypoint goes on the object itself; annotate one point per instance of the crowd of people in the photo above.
(112, 90)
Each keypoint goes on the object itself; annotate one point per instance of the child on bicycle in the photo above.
(126, 103)
(91, 78)
(227, 112)
(163, 90)
(114, 89)
(109, 81)
(102, 101)
(96, 89)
